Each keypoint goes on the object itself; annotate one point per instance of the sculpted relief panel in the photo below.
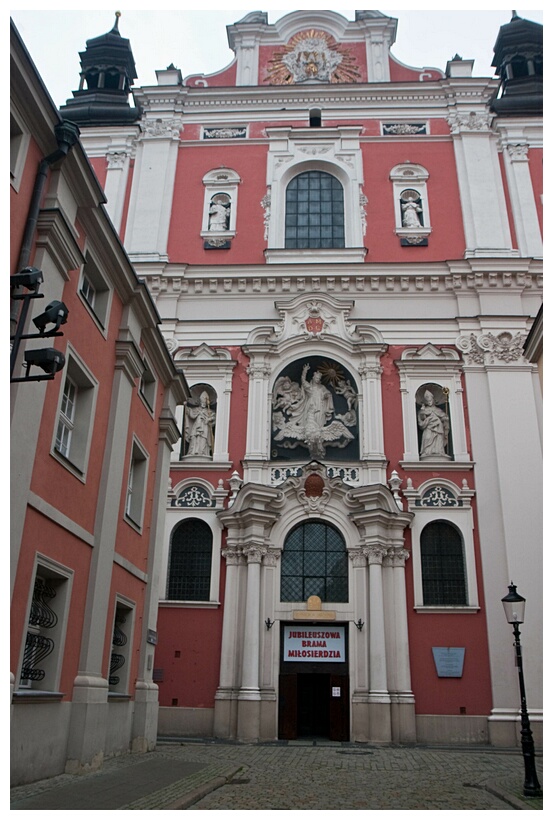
(314, 410)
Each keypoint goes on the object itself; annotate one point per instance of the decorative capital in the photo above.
(469, 122)
(486, 348)
(375, 554)
(518, 152)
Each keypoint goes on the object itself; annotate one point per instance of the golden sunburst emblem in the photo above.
(312, 56)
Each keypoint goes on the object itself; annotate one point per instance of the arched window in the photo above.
(314, 562)
(443, 565)
(314, 211)
(190, 561)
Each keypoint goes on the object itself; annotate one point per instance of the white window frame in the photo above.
(461, 517)
(20, 139)
(175, 515)
(61, 578)
(147, 386)
(91, 277)
(80, 425)
(335, 151)
(137, 482)
(442, 366)
(410, 176)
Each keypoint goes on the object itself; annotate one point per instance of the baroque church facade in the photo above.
(346, 256)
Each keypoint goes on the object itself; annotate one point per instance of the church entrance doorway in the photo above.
(313, 683)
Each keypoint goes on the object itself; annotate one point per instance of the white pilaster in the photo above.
(523, 202)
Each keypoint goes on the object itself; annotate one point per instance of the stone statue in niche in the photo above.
(304, 414)
(199, 427)
(219, 213)
(434, 423)
(411, 208)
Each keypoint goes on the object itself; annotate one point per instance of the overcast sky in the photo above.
(196, 41)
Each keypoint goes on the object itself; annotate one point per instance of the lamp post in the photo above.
(513, 604)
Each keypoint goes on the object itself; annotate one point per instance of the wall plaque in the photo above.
(449, 661)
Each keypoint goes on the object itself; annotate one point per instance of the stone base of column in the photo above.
(225, 714)
(404, 728)
(360, 728)
(380, 719)
(504, 727)
(145, 717)
(249, 715)
(88, 725)
(268, 719)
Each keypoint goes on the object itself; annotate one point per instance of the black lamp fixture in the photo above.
(56, 314)
(514, 604)
(359, 624)
(25, 287)
(269, 623)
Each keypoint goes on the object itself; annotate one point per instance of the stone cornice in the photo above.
(279, 280)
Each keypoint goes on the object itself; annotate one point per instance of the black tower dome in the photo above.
(519, 63)
(107, 73)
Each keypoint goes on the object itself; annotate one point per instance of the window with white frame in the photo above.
(147, 385)
(220, 208)
(412, 215)
(443, 565)
(46, 628)
(19, 142)
(136, 484)
(190, 559)
(95, 291)
(443, 551)
(314, 201)
(75, 417)
(314, 211)
(119, 666)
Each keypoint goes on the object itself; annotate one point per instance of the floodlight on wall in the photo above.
(29, 278)
(56, 313)
(47, 358)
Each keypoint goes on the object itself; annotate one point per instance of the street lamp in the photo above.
(513, 604)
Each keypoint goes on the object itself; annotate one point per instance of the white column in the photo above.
(115, 188)
(481, 187)
(523, 201)
(228, 677)
(505, 433)
(249, 696)
(257, 444)
(152, 191)
(380, 723)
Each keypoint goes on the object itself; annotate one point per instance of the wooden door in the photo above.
(288, 707)
(339, 707)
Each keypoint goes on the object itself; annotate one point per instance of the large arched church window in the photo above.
(190, 561)
(314, 211)
(315, 412)
(314, 562)
(443, 565)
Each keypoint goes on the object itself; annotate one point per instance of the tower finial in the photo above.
(115, 28)
(515, 16)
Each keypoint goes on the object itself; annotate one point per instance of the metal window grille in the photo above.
(314, 562)
(443, 565)
(190, 563)
(314, 212)
(37, 645)
(117, 660)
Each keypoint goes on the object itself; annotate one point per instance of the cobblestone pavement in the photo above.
(338, 777)
(299, 775)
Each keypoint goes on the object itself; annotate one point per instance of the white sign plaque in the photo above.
(312, 643)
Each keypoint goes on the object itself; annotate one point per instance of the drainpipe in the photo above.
(67, 134)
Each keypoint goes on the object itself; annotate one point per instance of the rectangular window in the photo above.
(119, 672)
(147, 388)
(75, 415)
(136, 485)
(66, 422)
(46, 628)
(95, 291)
